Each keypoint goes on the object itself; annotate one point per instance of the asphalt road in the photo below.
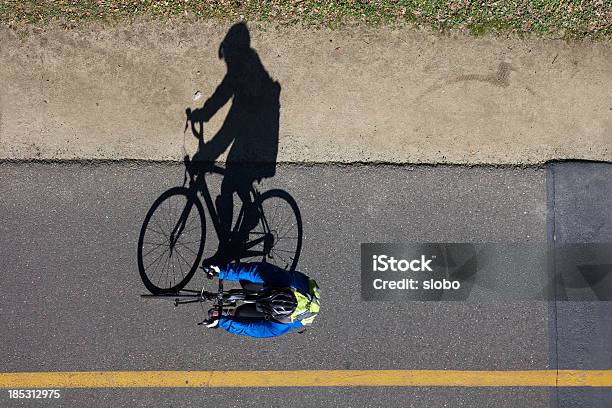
(70, 293)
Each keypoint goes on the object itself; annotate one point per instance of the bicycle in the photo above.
(174, 230)
(225, 302)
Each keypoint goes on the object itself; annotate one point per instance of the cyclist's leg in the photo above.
(225, 204)
(248, 311)
(238, 179)
(251, 218)
(250, 286)
(244, 189)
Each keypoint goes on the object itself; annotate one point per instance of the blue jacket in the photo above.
(268, 275)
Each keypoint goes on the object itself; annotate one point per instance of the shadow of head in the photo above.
(237, 42)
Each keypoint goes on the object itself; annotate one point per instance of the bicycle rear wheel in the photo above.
(279, 229)
(171, 241)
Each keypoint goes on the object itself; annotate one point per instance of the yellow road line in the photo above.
(306, 378)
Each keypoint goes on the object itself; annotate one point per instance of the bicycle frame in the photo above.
(221, 299)
(197, 183)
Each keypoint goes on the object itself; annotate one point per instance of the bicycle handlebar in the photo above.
(199, 134)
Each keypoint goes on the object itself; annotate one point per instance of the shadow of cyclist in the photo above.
(251, 127)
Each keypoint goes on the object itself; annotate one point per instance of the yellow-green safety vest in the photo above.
(308, 304)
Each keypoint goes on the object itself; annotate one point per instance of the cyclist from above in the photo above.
(288, 301)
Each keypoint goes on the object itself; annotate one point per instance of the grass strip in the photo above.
(561, 18)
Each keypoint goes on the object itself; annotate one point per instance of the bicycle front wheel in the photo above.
(171, 241)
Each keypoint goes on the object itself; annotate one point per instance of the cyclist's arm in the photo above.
(222, 94)
(242, 271)
(261, 272)
(256, 328)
